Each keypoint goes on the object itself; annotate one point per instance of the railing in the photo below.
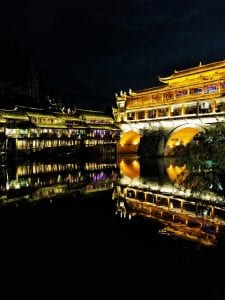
(196, 114)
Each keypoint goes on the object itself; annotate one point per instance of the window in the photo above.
(151, 114)
(131, 116)
(196, 91)
(141, 115)
(176, 111)
(121, 106)
(181, 93)
(131, 194)
(162, 201)
(168, 96)
(151, 198)
(191, 109)
(212, 88)
(163, 112)
(156, 96)
(141, 196)
(205, 107)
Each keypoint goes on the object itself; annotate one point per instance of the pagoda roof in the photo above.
(68, 117)
(194, 70)
(13, 114)
(35, 112)
(96, 117)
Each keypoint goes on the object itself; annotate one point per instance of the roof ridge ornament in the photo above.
(200, 64)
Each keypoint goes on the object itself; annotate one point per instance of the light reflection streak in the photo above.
(38, 180)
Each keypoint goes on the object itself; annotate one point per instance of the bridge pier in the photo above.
(161, 146)
(152, 144)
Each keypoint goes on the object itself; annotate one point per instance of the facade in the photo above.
(192, 92)
(26, 130)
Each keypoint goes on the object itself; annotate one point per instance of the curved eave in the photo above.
(15, 117)
(201, 67)
(194, 70)
(165, 79)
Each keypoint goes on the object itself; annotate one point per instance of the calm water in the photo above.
(133, 217)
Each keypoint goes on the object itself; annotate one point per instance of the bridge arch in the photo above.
(129, 142)
(181, 136)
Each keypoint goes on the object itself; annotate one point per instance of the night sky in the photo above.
(90, 49)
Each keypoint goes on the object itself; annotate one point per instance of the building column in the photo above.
(183, 110)
(146, 114)
(135, 116)
(169, 112)
(213, 105)
(181, 205)
(212, 212)
(145, 193)
(168, 202)
(219, 87)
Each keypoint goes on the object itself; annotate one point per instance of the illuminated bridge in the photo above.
(183, 106)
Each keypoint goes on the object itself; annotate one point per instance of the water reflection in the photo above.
(187, 200)
(32, 181)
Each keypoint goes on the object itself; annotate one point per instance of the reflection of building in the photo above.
(37, 180)
(183, 218)
(30, 130)
(170, 194)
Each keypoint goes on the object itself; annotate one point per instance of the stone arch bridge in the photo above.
(174, 133)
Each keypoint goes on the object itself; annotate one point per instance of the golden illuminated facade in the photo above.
(195, 91)
(32, 130)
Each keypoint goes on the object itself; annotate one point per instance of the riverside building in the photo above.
(27, 130)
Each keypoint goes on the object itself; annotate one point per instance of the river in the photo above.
(124, 213)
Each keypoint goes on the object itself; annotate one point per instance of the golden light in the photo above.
(130, 167)
(174, 171)
(182, 136)
(129, 142)
(130, 137)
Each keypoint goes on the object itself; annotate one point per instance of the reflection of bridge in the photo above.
(184, 213)
(184, 106)
(165, 178)
(181, 217)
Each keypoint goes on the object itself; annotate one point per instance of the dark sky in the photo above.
(90, 49)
